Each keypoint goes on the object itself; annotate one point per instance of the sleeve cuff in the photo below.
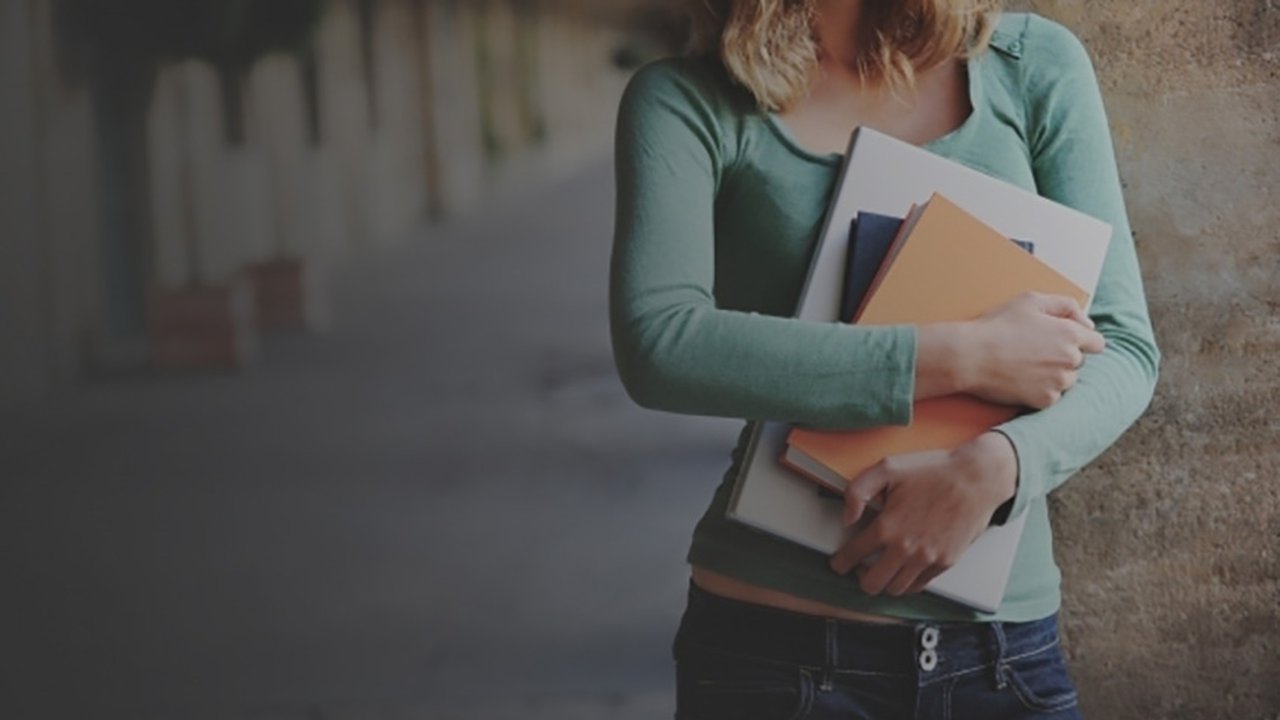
(903, 389)
(1022, 496)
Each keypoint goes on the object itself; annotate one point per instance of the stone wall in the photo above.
(1170, 544)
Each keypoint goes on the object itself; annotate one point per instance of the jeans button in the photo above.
(928, 659)
(929, 638)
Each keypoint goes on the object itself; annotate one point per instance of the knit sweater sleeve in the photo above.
(674, 348)
(1074, 164)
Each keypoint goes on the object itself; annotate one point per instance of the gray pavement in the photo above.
(445, 507)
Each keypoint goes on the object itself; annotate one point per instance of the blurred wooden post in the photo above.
(202, 320)
(528, 73)
(427, 102)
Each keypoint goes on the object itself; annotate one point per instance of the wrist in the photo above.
(991, 462)
(973, 355)
(946, 359)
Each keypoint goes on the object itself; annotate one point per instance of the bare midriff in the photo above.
(728, 587)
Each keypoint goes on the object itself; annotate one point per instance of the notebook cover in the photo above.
(870, 237)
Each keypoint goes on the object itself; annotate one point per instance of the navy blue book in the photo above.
(870, 236)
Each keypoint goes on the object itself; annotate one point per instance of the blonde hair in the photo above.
(769, 46)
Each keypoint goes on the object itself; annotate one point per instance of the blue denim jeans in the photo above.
(739, 661)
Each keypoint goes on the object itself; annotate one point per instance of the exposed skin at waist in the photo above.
(723, 586)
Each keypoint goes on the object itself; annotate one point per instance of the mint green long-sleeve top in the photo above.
(718, 212)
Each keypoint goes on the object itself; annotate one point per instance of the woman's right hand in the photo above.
(1026, 352)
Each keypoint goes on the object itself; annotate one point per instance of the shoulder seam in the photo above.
(1010, 41)
(691, 79)
(1025, 86)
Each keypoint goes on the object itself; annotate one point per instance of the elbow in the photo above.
(663, 357)
(1144, 357)
(641, 386)
(635, 370)
(1153, 366)
(640, 367)
(653, 358)
(1148, 357)
(644, 377)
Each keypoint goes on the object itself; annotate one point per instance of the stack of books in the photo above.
(942, 264)
(913, 238)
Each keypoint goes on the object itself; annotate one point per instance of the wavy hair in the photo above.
(770, 48)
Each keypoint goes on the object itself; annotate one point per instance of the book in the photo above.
(944, 265)
(884, 175)
(869, 241)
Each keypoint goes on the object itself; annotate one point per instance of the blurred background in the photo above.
(307, 408)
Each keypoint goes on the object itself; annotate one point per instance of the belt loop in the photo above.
(829, 666)
(997, 629)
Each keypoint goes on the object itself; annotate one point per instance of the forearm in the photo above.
(691, 357)
(1074, 163)
(676, 349)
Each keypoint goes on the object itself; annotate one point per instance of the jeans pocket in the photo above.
(1040, 680)
(712, 684)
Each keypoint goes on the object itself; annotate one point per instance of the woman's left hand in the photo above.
(935, 504)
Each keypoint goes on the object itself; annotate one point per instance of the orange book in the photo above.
(947, 266)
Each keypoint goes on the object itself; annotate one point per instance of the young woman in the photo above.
(726, 160)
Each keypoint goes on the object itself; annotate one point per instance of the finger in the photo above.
(1046, 397)
(882, 571)
(854, 506)
(1082, 317)
(1063, 307)
(1075, 356)
(1086, 341)
(907, 576)
(924, 578)
(1069, 380)
(1092, 342)
(860, 491)
(860, 547)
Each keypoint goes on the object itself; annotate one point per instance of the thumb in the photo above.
(863, 491)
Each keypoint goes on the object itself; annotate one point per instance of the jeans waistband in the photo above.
(922, 649)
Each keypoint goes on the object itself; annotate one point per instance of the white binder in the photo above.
(885, 175)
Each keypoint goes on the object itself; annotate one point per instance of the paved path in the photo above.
(444, 508)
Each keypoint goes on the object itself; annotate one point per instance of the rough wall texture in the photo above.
(1170, 544)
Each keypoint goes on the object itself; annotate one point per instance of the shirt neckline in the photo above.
(973, 67)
